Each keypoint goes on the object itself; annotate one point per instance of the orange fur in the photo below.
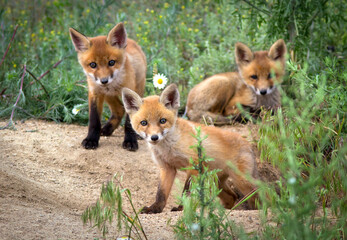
(169, 141)
(119, 62)
(254, 86)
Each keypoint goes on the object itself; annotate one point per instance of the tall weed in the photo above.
(306, 141)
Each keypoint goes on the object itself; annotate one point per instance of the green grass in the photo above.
(189, 41)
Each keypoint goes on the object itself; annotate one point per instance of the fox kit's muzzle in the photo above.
(154, 138)
(104, 80)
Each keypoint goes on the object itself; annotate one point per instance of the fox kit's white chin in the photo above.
(106, 80)
(263, 92)
(153, 142)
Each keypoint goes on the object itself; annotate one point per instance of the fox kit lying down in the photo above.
(155, 119)
(254, 86)
(110, 63)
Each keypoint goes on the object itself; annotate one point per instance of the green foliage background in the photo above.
(189, 41)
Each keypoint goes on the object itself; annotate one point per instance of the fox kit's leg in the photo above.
(117, 109)
(245, 187)
(204, 116)
(117, 113)
(186, 188)
(95, 109)
(241, 183)
(130, 136)
(227, 195)
(167, 176)
(245, 97)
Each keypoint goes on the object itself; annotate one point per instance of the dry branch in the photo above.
(9, 44)
(15, 105)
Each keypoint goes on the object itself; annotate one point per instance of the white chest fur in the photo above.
(168, 153)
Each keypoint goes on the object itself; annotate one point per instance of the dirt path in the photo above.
(47, 180)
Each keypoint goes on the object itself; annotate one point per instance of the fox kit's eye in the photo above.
(92, 65)
(143, 123)
(111, 62)
(255, 77)
(269, 76)
(162, 121)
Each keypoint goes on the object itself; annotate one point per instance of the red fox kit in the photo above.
(110, 63)
(254, 86)
(168, 137)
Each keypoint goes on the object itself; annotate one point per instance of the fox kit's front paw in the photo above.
(90, 143)
(152, 209)
(107, 130)
(130, 143)
(177, 209)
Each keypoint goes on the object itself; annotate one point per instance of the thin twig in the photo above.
(37, 80)
(245, 197)
(9, 44)
(259, 9)
(14, 106)
(54, 66)
(25, 111)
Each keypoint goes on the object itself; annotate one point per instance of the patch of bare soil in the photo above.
(47, 180)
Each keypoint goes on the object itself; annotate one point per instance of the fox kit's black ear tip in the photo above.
(170, 97)
(278, 50)
(281, 42)
(79, 40)
(72, 31)
(126, 93)
(239, 44)
(125, 90)
(117, 37)
(131, 100)
(243, 54)
(172, 86)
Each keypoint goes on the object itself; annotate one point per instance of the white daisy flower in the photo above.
(75, 110)
(292, 180)
(159, 81)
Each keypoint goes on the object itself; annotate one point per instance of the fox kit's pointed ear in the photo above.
(117, 37)
(170, 97)
(131, 100)
(243, 54)
(80, 41)
(278, 51)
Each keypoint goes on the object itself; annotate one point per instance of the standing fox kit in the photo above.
(155, 119)
(253, 86)
(110, 63)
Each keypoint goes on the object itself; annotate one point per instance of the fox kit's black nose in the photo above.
(263, 91)
(154, 138)
(104, 80)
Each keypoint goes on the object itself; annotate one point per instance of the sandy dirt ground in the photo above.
(47, 180)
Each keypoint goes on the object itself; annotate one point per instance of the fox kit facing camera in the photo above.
(110, 63)
(254, 86)
(155, 119)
